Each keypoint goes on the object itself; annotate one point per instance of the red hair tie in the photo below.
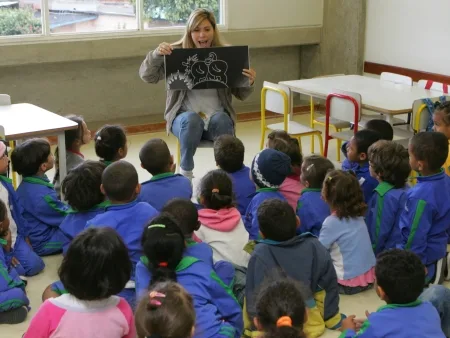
(163, 264)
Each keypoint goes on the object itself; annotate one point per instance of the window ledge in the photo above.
(55, 49)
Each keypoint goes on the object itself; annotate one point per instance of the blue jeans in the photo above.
(188, 127)
(439, 296)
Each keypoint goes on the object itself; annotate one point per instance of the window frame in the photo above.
(46, 36)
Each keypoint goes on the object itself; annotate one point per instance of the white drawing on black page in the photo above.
(197, 71)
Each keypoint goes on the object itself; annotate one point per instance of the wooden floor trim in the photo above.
(416, 75)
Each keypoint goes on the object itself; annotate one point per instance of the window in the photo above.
(52, 17)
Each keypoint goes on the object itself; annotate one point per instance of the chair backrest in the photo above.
(276, 98)
(432, 85)
(5, 100)
(421, 115)
(343, 108)
(396, 78)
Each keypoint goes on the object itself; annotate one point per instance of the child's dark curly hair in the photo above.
(342, 192)
(390, 161)
(445, 109)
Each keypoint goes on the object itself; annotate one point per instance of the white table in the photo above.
(25, 120)
(379, 96)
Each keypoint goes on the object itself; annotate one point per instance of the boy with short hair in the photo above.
(43, 211)
(357, 149)
(229, 155)
(269, 169)
(164, 185)
(399, 282)
(126, 214)
(425, 220)
(302, 258)
(389, 165)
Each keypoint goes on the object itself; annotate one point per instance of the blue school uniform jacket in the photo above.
(251, 215)
(383, 217)
(243, 188)
(218, 312)
(12, 289)
(367, 182)
(200, 251)
(43, 211)
(76, 221)
(162, 188)
(15, 207)
(129, 220)
(425, 219)
(415, 319)
(312, 211)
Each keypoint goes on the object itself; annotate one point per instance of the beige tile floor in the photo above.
(249, 132)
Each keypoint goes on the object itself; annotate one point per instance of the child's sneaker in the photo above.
(15, 316)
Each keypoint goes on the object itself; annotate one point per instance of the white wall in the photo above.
(411, 34)
(254, 14)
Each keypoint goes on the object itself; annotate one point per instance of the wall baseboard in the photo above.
(416, 75)
(241, 117)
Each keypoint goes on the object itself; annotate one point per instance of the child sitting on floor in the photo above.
(357, 149)
(382, 127)
(292, 186)
(441, 119)
(399, 276)
(281, 309)
(95, 268)
(425, 220)
(13, 298)
(164, 185)
(43, 211)
(125, 214)
(221, 223)
(217, 311)
(81, 189)
(344, 233)
(389, 165)
(28, 262)
(311, 208)
(111, 143)
(168, 311)
(74, 139)
(229, 155)
(185, 212)
(302, 258)
(269, 170)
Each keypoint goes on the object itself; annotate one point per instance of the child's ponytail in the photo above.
(163, 245)
(216, 190)
(281, 309)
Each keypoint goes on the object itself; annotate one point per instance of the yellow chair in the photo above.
(336, 124)
(277, 99)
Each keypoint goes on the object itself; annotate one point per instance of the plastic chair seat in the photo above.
(338, 124)
(294, 128)
(345, 135)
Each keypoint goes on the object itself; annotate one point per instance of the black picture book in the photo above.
(205, 68)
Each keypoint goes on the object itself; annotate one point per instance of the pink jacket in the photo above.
(291, 189)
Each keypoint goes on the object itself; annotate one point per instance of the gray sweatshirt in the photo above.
(152, 71)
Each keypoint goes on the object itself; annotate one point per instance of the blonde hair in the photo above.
(195, 19)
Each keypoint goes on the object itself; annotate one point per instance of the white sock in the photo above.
(187, 173)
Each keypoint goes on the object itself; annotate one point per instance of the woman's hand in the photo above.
(164, 48)
(251, 74)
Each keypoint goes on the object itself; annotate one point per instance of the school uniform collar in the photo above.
(41, 180)
(5, 179)
(396, 306)
(263, 190)
(102, 205)
(310, 190)
(430, 178)
(122, 206)
(107, 163)
(162, 176)
(383, 188)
